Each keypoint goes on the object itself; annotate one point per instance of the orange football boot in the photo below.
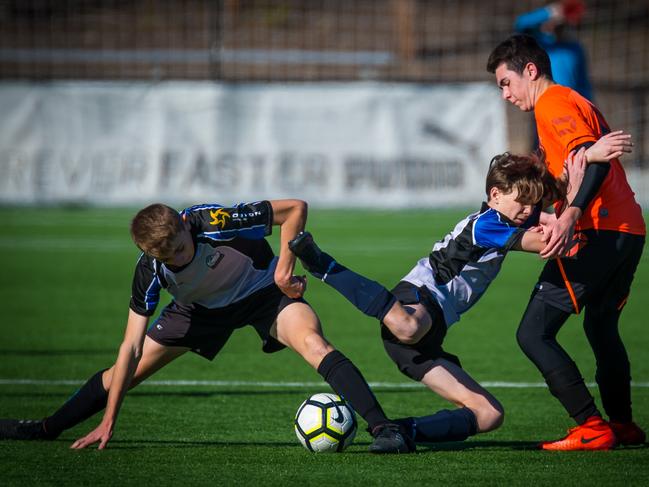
(594, 434)
(628, 433)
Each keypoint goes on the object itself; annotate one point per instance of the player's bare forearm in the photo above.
(531, 241)
(128, 357)
(291, 216)
(574, 170)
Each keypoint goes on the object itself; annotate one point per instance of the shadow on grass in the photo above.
(422, 448)
(142, 392)
(478, 445)
(494, 445)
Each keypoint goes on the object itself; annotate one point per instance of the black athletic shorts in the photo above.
(205, 331)
(416, 360)
(601, 272)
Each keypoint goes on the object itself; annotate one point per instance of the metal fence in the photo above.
(316, 40)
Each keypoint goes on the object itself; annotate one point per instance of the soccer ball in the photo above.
(325, 423)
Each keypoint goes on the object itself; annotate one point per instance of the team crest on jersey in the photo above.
(213, 260)
(219, 217)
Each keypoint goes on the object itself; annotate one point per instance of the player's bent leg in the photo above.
(454, 384)
(368, 296)
(154, 357)
(409, 324)
(298, 328)
(536, 336)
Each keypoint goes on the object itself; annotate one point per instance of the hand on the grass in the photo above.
(101, 434)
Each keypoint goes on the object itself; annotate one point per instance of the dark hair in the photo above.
(528, 174)
(155, 228)
(518, 50)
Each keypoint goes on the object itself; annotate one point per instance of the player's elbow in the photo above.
(133, 351)
(300, 207)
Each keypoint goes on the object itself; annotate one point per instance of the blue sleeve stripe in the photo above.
(152, 294)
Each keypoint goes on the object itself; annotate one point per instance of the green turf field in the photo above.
(65, 288)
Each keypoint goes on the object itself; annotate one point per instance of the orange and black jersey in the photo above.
(566, 121)
(232, 259)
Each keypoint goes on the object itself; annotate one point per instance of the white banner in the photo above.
(332, 144)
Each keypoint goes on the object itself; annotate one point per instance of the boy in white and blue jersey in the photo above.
(416, 314)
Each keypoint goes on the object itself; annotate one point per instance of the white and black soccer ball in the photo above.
(325, 423)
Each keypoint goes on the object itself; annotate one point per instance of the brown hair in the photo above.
(528, 174)
(154, 230)
(518, 50)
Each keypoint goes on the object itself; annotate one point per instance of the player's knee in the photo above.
(530, 329)
(528, 337)
(315, 348)
(489, 414)
(407, 329)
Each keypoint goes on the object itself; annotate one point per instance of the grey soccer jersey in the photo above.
(462, 265)
(232, 259)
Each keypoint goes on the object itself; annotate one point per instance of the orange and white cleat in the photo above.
(628, 433)
(594, 434)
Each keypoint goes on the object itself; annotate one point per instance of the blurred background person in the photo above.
(552, 27)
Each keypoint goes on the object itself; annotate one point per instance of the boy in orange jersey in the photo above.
(599, 276)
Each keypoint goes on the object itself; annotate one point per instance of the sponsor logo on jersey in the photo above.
(245, 216)
(219, 217)
(213, 260)
(564, 125)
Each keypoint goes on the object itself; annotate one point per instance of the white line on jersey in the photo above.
(270, 384)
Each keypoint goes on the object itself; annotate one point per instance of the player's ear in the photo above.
(531, 71)
(494, 194)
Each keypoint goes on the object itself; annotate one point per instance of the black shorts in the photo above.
(205, 331)
(416, 360)
(601, 272)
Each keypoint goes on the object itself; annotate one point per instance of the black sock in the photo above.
(615, 390)
(444, 425)
(88, 400)
(348, 382)
(368, 296)
(567, 385)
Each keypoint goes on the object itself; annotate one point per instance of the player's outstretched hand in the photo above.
(101, 434)
(294, 288)
(610, 146)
